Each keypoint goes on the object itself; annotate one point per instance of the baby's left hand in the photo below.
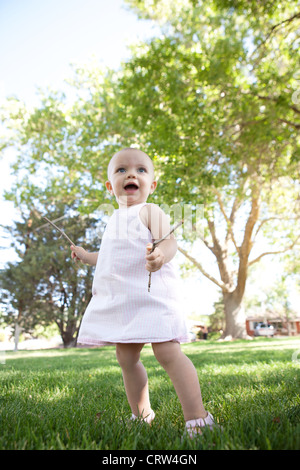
(155, 260)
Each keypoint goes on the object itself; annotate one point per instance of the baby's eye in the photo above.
(121, 170)
(142, 170)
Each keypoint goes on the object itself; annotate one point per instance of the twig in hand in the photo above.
(156, 242)
(60, 230)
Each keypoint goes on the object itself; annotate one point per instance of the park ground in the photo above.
(74, 399)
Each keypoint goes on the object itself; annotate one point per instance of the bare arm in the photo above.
(158, 224)
(80, 254)
(161, 255)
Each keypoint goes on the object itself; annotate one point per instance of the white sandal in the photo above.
(193, 426)
(148, 419)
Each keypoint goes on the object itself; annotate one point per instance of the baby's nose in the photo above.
(131, 174)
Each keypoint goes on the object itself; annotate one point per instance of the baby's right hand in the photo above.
(78, 253)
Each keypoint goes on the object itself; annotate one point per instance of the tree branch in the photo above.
(293, 124)
(288, 20)
(247, 242)
(252, 219)
(271, 98)
(274, 252)
(202, 270)
(228, 220)
(268, 98)
(221, 254)
(264, 221)
(235, 207)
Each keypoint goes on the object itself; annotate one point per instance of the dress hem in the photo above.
(93, 342)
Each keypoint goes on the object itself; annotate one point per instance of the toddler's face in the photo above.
(131, 177)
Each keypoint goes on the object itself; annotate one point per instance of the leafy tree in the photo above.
(214, 102)
(277, 301)
(45, 286)
(216, 99)
(273, 302)
(217, 318)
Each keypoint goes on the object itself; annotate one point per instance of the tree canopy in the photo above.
(214, 101)
(45, 286)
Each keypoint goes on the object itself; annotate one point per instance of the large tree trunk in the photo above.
(232, 286)
(68, 339)
(67, 333)
(235, 318)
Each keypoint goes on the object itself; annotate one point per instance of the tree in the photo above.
(216, 100)
(213, 102)
(273, 303)
(45, 286)
(217, 318)
(277, 301)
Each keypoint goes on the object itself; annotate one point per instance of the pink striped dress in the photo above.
(121, 309)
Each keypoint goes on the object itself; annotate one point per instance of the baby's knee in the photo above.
(166, 353)
(127, 354)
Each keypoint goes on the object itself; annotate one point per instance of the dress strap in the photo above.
(135, 210)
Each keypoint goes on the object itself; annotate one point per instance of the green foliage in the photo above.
(214, 101)
(211, 101)
(217, 318)
(45, 286)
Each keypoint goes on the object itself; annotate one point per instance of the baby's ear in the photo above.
(109, 187)
(153, 187)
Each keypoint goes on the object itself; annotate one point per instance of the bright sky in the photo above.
(40, 39)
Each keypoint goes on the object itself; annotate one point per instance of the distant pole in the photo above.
(17, 335)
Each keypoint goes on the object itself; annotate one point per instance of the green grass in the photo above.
(75, 399)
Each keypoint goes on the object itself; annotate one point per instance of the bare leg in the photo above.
(134, 377)
(184, 378)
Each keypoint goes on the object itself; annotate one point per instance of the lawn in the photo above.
(74, 399)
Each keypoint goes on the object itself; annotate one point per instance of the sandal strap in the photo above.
(201, 422)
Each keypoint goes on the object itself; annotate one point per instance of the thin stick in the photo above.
(156, 242)
(60, 230)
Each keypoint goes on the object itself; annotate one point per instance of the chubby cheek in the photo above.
(116, 188)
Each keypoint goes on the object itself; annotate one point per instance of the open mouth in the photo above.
(131, 187)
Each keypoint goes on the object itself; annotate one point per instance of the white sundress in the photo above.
(121, 309)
